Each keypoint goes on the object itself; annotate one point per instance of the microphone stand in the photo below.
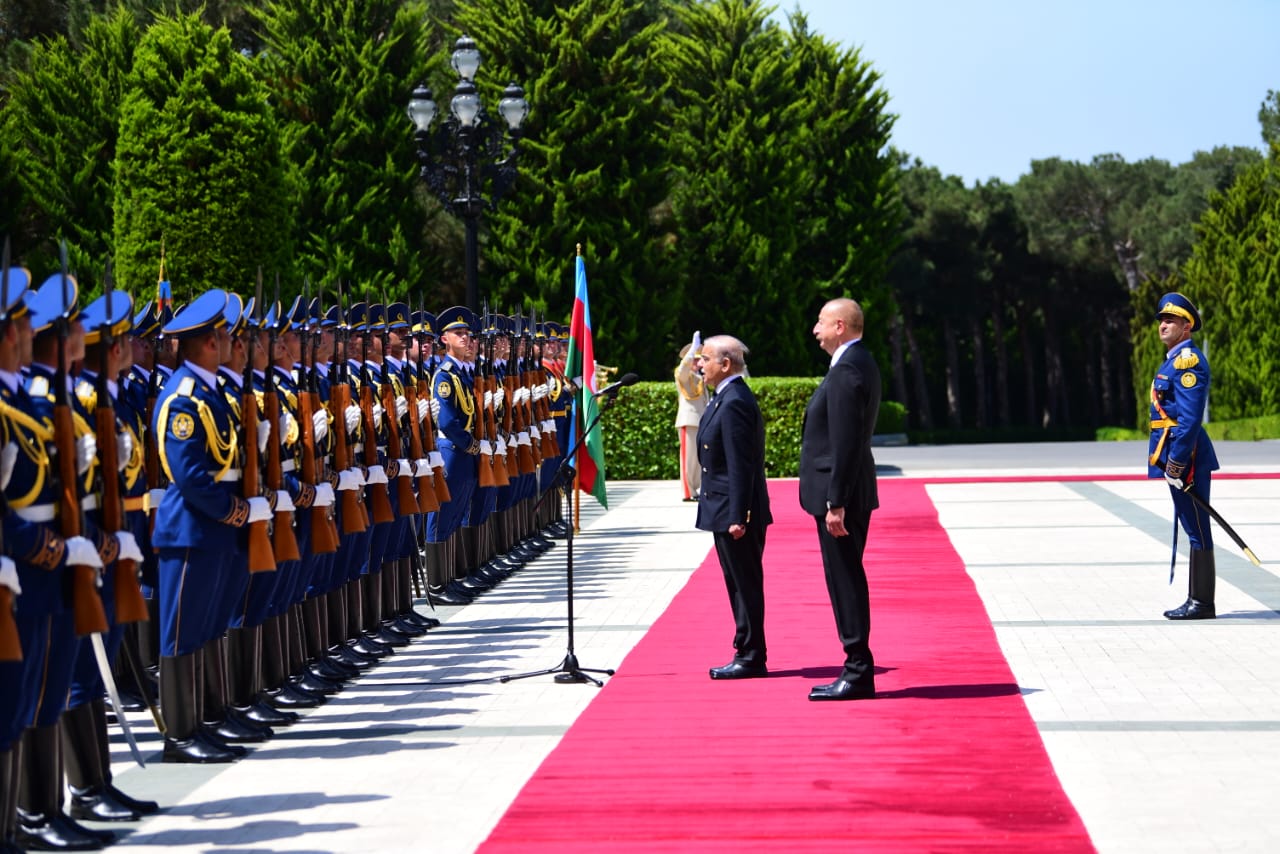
(568, 670)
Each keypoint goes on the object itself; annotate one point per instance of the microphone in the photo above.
(612, 390)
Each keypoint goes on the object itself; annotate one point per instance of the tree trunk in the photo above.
(1128, 255)
(897, 361)
(924, 412)
(1028, 364)
(1107, 379)
(954, 419)
(980, 402)
(1057, 410)
(1003, 415)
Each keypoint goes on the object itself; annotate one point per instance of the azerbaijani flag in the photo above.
(580, 369)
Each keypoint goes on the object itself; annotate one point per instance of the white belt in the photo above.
(89, 502)
(228, 476)
(37, 512)
(288, 465)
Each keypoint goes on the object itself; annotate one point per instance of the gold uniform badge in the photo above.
(1188, 380)
(444, 389)
(182, 426)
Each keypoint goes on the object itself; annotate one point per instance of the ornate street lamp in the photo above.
(465, 160)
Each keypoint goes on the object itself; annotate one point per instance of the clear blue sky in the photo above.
(983, 87)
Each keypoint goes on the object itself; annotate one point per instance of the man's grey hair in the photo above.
(728, 347)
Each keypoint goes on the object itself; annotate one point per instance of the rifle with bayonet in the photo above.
(261, 553)
(10, 645)
(487, 382)
(550, 443)
(377, 494)
(324, 531)
(407, 501)
(131, 607)
(429, 422)
(284, 541)
(516, 381)
(428, 501)
(354, 518)
(86, 604)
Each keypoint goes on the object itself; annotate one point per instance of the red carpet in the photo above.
(945, 759)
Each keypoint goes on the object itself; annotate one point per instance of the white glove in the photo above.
(7, 458)
(404, 469)
(435, 409)
(284, 504)
(488, 399)
(437, 460)
(324, 495)
(498, 396)
(1175, 482)
(124, 450)
(157, 495)
(522, 395)
(9, 575)
(539, 391)
(320, 424)
(86, 450)
(402, 408)
(500, 447)
(377, 416)
(288, 426)
(421, 468)
(377, 474)
(82, 552)
(549, 426)
(259, 509)
(486, 447)
(423, 409)
(264, 435)
(128, 546)
(352, 416)
(358, 473)
(349, 480)
(523, 438)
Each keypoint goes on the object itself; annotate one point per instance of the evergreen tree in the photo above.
(341, 73)
(198, 165)
(592, 171)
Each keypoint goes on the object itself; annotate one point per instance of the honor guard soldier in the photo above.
(58, 342)
(197, 439)
(1180, 450)
(84, 723)
(453, 396)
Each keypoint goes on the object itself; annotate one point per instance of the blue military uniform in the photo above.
(1181, 452)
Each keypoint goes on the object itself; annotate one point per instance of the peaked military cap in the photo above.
(398, 316)
(457, 319)
(54, 301)
(1179, 306)
(203, 315)
(146, 323)
(95, 319)
(332, 318)
(425, 322)
(17, 283)
(235, 313)
(358, 317)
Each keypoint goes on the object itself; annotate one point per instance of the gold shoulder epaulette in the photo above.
(1186, 359)
(39, 386)
(87, 394)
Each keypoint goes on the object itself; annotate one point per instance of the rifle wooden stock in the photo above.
(324, 533)
(86, 604)
(283, 542)
(518, 423)
(130, 606)
(429, 441)
(377, 495)
(428, 502)
(261, 554)
(485, 477)
(500, 475)
(354, 519)
(550, 445)
(10, 646)
(405, 499)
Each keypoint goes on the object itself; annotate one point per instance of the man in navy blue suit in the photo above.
(838, 486)
(734, 502)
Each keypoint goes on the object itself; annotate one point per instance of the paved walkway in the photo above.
(1166, 736)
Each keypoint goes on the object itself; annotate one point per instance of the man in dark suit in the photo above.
(734, 503)
(838, 486)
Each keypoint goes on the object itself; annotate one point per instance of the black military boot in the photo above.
(91, 800)
(8, 800)
(141, 807)
(180, 701)
(219, 718)
(42, 826)
(1201, 581)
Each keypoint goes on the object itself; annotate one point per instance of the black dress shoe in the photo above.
(843, 690)
(450, 595)
(141, 807)
(195, 750)
(1192, 609)
(739, 670)
(98, 803)
(57, 832)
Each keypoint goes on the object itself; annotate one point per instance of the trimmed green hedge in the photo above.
(641, 442)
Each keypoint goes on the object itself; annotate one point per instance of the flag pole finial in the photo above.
(579, 250)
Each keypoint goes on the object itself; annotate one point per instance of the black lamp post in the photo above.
(464, 154)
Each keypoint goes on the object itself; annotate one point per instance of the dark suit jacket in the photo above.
(731, 453)
(836, 465)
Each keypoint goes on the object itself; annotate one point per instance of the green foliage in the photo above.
(641, 441)
(341, 73)
(198, 166)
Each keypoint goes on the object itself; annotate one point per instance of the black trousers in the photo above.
(742, 561)
(847, 587)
